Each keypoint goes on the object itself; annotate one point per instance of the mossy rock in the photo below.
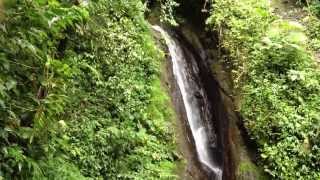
(249, 171)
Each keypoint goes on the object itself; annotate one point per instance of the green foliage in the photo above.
(80, 95)
(240, 23)
(116, 132)
(313, 31)
(33, 76)
(315, 8)
(280, 89)
(165, 10)
(312, 5)
(280, 109)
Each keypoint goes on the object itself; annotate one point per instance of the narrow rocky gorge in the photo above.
(197, 107)
(196, 95)
(215, 147)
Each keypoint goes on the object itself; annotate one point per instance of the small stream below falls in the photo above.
(197, 106)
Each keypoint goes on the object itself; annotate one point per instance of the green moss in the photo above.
(247, 170)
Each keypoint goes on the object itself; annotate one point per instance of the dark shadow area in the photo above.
(195, 11)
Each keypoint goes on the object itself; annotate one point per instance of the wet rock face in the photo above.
(238, 152)
(223, 121)
(217, 115)
(192, 170)
(195, 108)
(205, 93)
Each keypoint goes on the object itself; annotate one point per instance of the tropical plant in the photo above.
(80, 95)
(279, 87)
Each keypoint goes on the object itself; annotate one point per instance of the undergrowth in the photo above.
(278, 82)
(80, 93)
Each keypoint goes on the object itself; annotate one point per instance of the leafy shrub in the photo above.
(80, 94)
(114, 132)
(280, 89)
(32, 76)
(312, 5)
(313, 31)
(315, 8)
(241, 24)
(165, 9)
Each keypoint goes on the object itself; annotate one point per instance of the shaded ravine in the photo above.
(202, 115)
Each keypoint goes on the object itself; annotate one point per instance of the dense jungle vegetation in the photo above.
(81, 95)
(80, 92)
(273, 63)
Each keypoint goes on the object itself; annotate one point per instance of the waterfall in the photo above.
(191, 91)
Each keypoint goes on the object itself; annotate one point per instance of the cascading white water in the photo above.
(192, 107)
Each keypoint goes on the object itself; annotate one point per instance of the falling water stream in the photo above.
(193, 94)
